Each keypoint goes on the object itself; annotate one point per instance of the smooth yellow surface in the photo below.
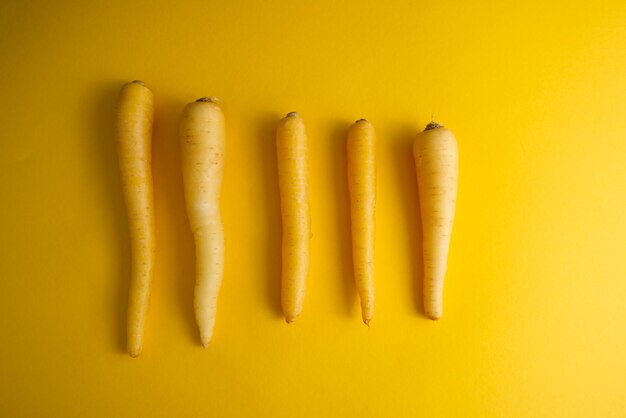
(535, 311)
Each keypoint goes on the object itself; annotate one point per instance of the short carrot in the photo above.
(134, 146)
(202, 141)
(291, 146)
(362, 188)
(437, 165)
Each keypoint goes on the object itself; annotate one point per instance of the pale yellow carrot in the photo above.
(133, 138)
(437, 163)
(202, 141)
(291, 146)
(362, 188)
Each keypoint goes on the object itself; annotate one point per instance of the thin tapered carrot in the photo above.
(202, 141)
(362, 188)
(134, 146)
(437, 165)
(291, 146)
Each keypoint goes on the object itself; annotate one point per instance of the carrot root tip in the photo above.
(433, 316)
(134, 353)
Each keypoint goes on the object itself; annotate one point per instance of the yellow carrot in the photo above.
(437, 165)
(362, 187)
(291, 146)
(202, 142)
(133, 138)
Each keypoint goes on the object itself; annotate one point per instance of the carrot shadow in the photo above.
(266, 150)
(106, 165)
(338, 135)
(175, 261)
(402, 139)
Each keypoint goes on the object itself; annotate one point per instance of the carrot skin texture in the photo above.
(133, 137)
(437, 167)
(202, 141)
(291, 147)
(362, 189)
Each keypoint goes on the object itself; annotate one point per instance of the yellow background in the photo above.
(535, 315)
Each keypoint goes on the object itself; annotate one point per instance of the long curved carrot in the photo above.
(437, 164)
(291, 146)
(202, 141)
(362, 188)
(133, 138)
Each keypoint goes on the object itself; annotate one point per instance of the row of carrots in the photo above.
(202, 142)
